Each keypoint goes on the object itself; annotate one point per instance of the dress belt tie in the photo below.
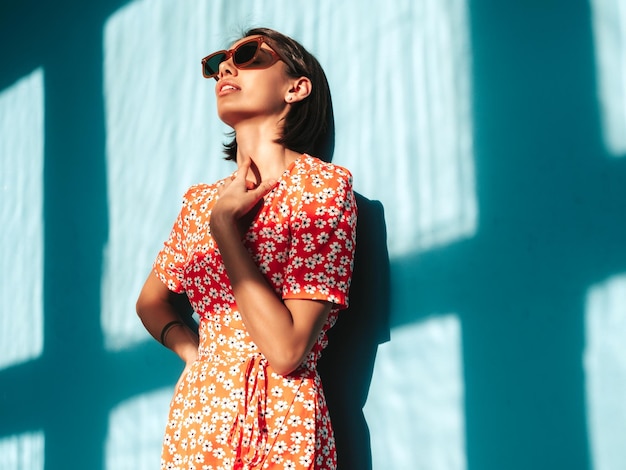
(249, 431)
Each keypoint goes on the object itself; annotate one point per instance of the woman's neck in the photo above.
(269, 159)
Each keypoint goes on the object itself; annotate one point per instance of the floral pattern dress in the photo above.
(231, 410)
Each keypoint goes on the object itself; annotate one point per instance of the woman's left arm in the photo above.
(284, 331)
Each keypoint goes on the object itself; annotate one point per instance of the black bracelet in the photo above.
(167, 328)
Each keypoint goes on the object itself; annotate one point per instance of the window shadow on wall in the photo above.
(69, 391)
(551, 224)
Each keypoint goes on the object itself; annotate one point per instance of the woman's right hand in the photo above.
(237, 198)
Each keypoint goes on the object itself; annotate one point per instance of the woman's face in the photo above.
(251, 93)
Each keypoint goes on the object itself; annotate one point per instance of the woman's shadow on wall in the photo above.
(347, 364)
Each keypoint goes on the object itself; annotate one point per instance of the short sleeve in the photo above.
(323, 236)
(170, 262)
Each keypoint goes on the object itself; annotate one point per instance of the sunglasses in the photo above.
(247, 55)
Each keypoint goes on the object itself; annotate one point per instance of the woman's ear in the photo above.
(300, 89)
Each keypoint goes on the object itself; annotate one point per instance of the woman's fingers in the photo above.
(253, 195)
(263, 188)
(238, 195)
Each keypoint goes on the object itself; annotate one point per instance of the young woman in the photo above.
(265, 258)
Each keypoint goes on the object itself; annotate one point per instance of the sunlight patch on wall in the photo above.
(416, 418)
(135, 433)
(404, 124)
(609, 28)
(605, 372)
(22, 452)
(21, 219)
(406, 118)
(161, 138)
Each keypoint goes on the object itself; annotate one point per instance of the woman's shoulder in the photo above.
(202, 191)
(314, 166)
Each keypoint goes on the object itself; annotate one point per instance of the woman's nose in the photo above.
(227, 68)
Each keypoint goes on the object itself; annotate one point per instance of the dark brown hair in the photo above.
(309, 126)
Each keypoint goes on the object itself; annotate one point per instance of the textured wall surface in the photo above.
(493, 135)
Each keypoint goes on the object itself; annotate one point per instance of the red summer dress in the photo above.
(231, 410)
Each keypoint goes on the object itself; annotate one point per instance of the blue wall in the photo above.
(491, 132)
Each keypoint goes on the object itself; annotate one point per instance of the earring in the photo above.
(290, 98)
